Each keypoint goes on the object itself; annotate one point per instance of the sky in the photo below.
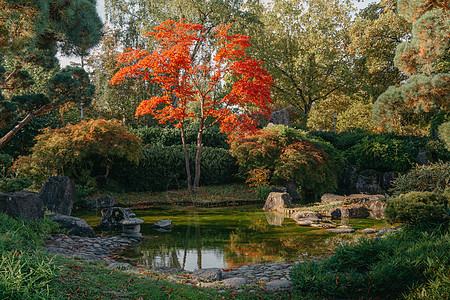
(66, 60)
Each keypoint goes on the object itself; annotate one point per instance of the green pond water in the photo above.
(227, 237)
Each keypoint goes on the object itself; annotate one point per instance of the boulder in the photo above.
(372, 202)
(332, 199)
(277, 200)
(75, 226)
(291, 189)
(212, 274)
(58, 194)
(97, 203)
(23, 204)
(354, 211)
(369, 182)
(280, 117)
(113, 216)
(165, 225)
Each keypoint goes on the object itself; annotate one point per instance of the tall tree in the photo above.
(116, 101)
(425, 59)
(375, 34)
(186, 78)
(303, 45)
(31, 32)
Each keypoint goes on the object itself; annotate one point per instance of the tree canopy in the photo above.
(426, 59)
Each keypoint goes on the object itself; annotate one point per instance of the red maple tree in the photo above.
(190, 65)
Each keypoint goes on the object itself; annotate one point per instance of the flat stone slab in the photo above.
(132, 221)
(276, 285)
(235, 282)
(341, 230)
(369, 231)
(212, 274)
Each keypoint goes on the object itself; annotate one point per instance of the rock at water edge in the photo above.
(58, 194)
(75, 226)
(23, 204)
(277, 200)
(212, 274)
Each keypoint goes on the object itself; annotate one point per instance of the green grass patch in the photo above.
(219, 195)
(83, 280)
(411, 264)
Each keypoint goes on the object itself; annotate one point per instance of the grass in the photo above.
(84, 280)
(207, 195)
(409, 264)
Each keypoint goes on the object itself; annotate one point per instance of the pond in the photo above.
(226, 237)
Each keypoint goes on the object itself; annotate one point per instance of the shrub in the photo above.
(417, 208)
(444, 134)
(172, 136)
(382, 154)
(427, 178)
(289, 155)
(163, 168)
(85, 151)
(8, 185)
(405, 262)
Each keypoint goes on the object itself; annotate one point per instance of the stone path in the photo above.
(98, 248)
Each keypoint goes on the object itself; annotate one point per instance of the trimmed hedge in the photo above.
(170, 136)
(163, 168)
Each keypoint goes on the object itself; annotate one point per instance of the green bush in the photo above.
(382, 154)
(409, 262)
(8, 185)
(427, 178)
(444, 134)
(417, 208)
(289, 154)
(163, 168)
(84, 152)
(170, 136)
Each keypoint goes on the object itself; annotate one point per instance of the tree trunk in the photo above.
(186, 158)
(198, 156)
(42, 110)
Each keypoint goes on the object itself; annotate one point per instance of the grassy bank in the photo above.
(218, 195)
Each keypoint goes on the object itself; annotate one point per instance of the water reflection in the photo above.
(225, 237)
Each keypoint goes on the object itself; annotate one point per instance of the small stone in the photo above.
(278, 285)
(208, 274)
(235, 282)
(117, 265)
(207, 284)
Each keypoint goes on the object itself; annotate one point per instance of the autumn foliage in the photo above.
(287, 155)
(191, 63)
(84, 152)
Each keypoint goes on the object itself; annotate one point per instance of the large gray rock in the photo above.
(356, 211)
(112, 217)
(372, 202)
(212, 274)
(332, 199)
(97, 203)
(369, 182)
(23, 204)
(280, 117)
(75, 226)
(58, 194)
(277, 200)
